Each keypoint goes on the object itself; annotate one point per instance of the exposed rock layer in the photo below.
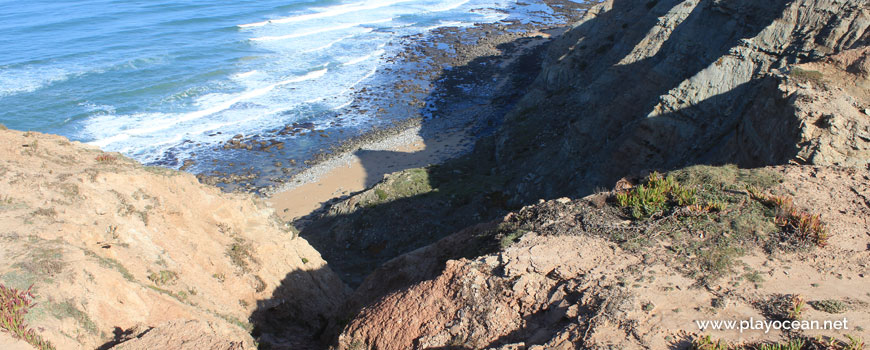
(643, 84)
(564, 286)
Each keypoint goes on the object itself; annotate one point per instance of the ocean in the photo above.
(157, 80)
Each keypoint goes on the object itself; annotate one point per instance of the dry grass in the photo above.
(240, 254)
(807, 75)
(800, 225)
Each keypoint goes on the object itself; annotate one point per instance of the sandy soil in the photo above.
(359, 170)
(9, 343)
(109, 244)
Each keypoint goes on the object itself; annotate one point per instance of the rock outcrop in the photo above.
(639, 85)
(568, 283)
(188, 335)
(660, 84)
(110, 245)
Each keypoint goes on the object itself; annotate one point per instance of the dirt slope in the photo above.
(571, 281)
(109, 245)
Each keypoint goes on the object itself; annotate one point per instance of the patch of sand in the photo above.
(365, 167)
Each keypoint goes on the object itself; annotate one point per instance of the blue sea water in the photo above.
(141, 77)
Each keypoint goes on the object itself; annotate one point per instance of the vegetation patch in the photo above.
(659, 194)
(831, 306)
(14, 305)
(706, 342)
(807, 75)
(795, 223)
(710, 216)
(784, 307)
(43, 262)
(156, 170)
(105, 159)
(240, 254)
(164, 277)
(408, 183)
(111, 264)
(509, 233)
(68, 309)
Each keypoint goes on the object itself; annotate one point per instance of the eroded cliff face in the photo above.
(578, 278)
(113, 248)
(643, 84)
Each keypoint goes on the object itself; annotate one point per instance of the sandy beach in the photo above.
(356, 171)
(495, 64)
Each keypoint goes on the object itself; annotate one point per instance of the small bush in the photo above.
(830, 306)
(797, 307)
(106, 159)
(801, 225)
(164, 277)
(659, 195)
(14, 304)
(707, 343)
(784, 307)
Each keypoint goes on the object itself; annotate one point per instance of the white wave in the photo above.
(324, 47)
(318, 31)
(448, 24)
(368, 75)
(245, 74)
(110, 140)
(363, 58)
(168, 121)
(342, 105)
(16, 81)
(449, 7)
(326, 13)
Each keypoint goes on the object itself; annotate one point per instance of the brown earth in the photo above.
(110, 245)
(144, 257)
(563, 285)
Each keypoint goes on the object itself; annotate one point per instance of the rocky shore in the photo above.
(660, 163)
(453, 78)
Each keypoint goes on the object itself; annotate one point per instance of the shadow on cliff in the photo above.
(357, 243)
(583, 138)
(472, 189)
(462, 191)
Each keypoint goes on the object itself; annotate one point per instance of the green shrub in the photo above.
(660, 194)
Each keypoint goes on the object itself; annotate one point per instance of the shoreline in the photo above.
(453, 77)
(336, 175)
(342, 176)
(469, 99)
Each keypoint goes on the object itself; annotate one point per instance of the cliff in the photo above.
(674, 86)
(113, 249)
(139, 257)
(662, 84)
(575, 274)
